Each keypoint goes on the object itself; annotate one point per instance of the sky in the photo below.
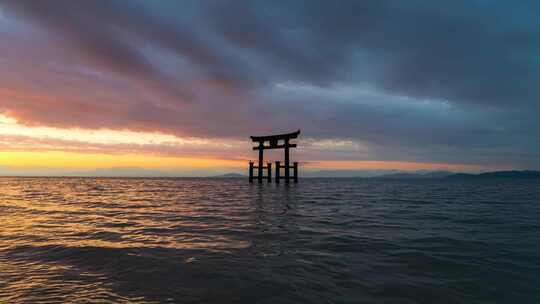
(177, 87)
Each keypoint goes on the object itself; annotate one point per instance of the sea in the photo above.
(220, 240)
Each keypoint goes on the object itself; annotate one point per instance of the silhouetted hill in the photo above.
(461, 175)
(400, 176)
(346, 173)
(436, 174)
(527, 174)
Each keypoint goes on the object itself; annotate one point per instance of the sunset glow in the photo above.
(88, 160)
(46, 148)
(188, 89)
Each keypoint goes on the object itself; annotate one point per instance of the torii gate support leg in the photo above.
(287, 165)
(278, 167)
(250, 171)
(295, 164)
(260, 167)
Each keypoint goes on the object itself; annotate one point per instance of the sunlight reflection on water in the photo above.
(223, 240)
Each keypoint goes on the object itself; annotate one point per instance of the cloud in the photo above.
(412, 81)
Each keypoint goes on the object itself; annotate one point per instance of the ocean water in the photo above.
(92, 240)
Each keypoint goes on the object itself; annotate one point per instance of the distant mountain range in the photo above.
(526, 174)
(367, 174)
(347, 173)
(423, 175)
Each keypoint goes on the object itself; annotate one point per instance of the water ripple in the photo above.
(96, 240)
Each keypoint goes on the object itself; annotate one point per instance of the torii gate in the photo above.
(274, 143)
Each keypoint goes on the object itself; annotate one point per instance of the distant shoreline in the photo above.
(441, 175)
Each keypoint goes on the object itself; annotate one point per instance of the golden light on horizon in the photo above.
(75, 148)
(71, 160)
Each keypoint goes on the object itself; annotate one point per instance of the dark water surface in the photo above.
(66, 240)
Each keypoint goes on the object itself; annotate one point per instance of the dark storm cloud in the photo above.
(458, 50)
(454, 80)
(463, 51)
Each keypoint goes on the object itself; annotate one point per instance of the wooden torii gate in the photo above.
(274, 142)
